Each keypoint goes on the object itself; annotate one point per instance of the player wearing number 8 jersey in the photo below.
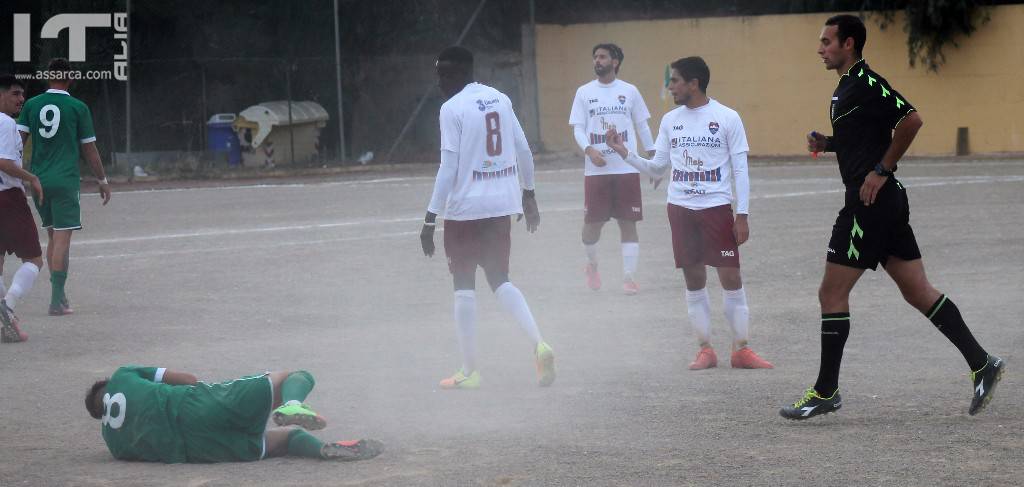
(484, 153)
(158, 415)
(60, 127)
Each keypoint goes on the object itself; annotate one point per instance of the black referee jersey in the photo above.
(864, 111)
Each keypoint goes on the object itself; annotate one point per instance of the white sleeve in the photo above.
(644, 132)
(654, 168)
(8, 144)
(578, 114)
(451, 129)
(737, 136)
(741, 177)
(524, 156)
(580, 134)
(445, 182)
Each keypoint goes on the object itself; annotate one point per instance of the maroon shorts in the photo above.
(18, 233)
(612, 196)
(486, 243)
(703, 236)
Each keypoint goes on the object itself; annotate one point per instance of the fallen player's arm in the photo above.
(176, 378)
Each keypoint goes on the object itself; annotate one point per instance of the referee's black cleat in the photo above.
(985, 381)
(812, 405)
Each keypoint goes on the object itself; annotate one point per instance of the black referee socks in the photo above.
(946, 317)
(835, 328)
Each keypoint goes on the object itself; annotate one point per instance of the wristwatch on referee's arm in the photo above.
(882, 171)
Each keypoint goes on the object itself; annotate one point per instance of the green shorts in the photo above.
(227, 422)
(61, 209)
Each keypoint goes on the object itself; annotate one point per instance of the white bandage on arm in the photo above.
(524, 157)
(741, 177)
(653, 168)
(445, 181)
(580, 134)
(644, 133)
(159, 375)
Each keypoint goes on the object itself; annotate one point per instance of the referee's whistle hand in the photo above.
(815, 142)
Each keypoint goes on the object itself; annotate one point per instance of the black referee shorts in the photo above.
(864, 236)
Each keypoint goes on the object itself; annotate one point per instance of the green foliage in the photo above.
(931, 25)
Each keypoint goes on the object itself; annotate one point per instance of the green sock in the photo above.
(57, 278)
(297, 386)
(302, 444)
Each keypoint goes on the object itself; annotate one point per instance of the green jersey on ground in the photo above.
(58, 125)
(140, 416)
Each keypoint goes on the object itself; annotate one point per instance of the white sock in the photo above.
(465, 327)
(22, 283)
(513, 301)
(591, 253)
(3, 290)
(630, 255)
(737, 313)
(698, 307)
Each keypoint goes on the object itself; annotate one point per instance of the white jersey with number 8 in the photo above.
(478, 124)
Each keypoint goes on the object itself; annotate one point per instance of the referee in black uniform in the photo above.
(873, 125)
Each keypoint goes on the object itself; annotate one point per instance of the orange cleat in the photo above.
(745, 358)
(706, 359)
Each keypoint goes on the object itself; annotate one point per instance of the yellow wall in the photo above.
(767, 68)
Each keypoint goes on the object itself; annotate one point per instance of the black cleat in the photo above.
(985, 381)
(348, 451)
(812, 405)
(10, 332)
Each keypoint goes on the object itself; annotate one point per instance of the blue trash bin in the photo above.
(222, 139)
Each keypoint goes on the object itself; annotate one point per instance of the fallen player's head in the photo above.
(94, 398)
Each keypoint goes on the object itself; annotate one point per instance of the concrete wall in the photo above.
(766, 68)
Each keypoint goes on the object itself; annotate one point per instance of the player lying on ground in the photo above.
(158, 415)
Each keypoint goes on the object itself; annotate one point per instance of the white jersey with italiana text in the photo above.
(599, 107)
(479, 125)
(700, 142)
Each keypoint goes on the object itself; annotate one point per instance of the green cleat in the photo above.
(298, 414)
(545, 364)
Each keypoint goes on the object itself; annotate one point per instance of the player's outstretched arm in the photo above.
(654, 168)
(92, 156)
(176, 378)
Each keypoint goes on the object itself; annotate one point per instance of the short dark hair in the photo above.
(614, 51)
(8, 80)
(59, 64)
(457, 55)
(694, 67)
(848, 26)
(95, 410)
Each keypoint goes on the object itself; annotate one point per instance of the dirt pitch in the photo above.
(328, 276)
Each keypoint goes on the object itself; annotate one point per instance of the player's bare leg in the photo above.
(591, 234)
(630, 254)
